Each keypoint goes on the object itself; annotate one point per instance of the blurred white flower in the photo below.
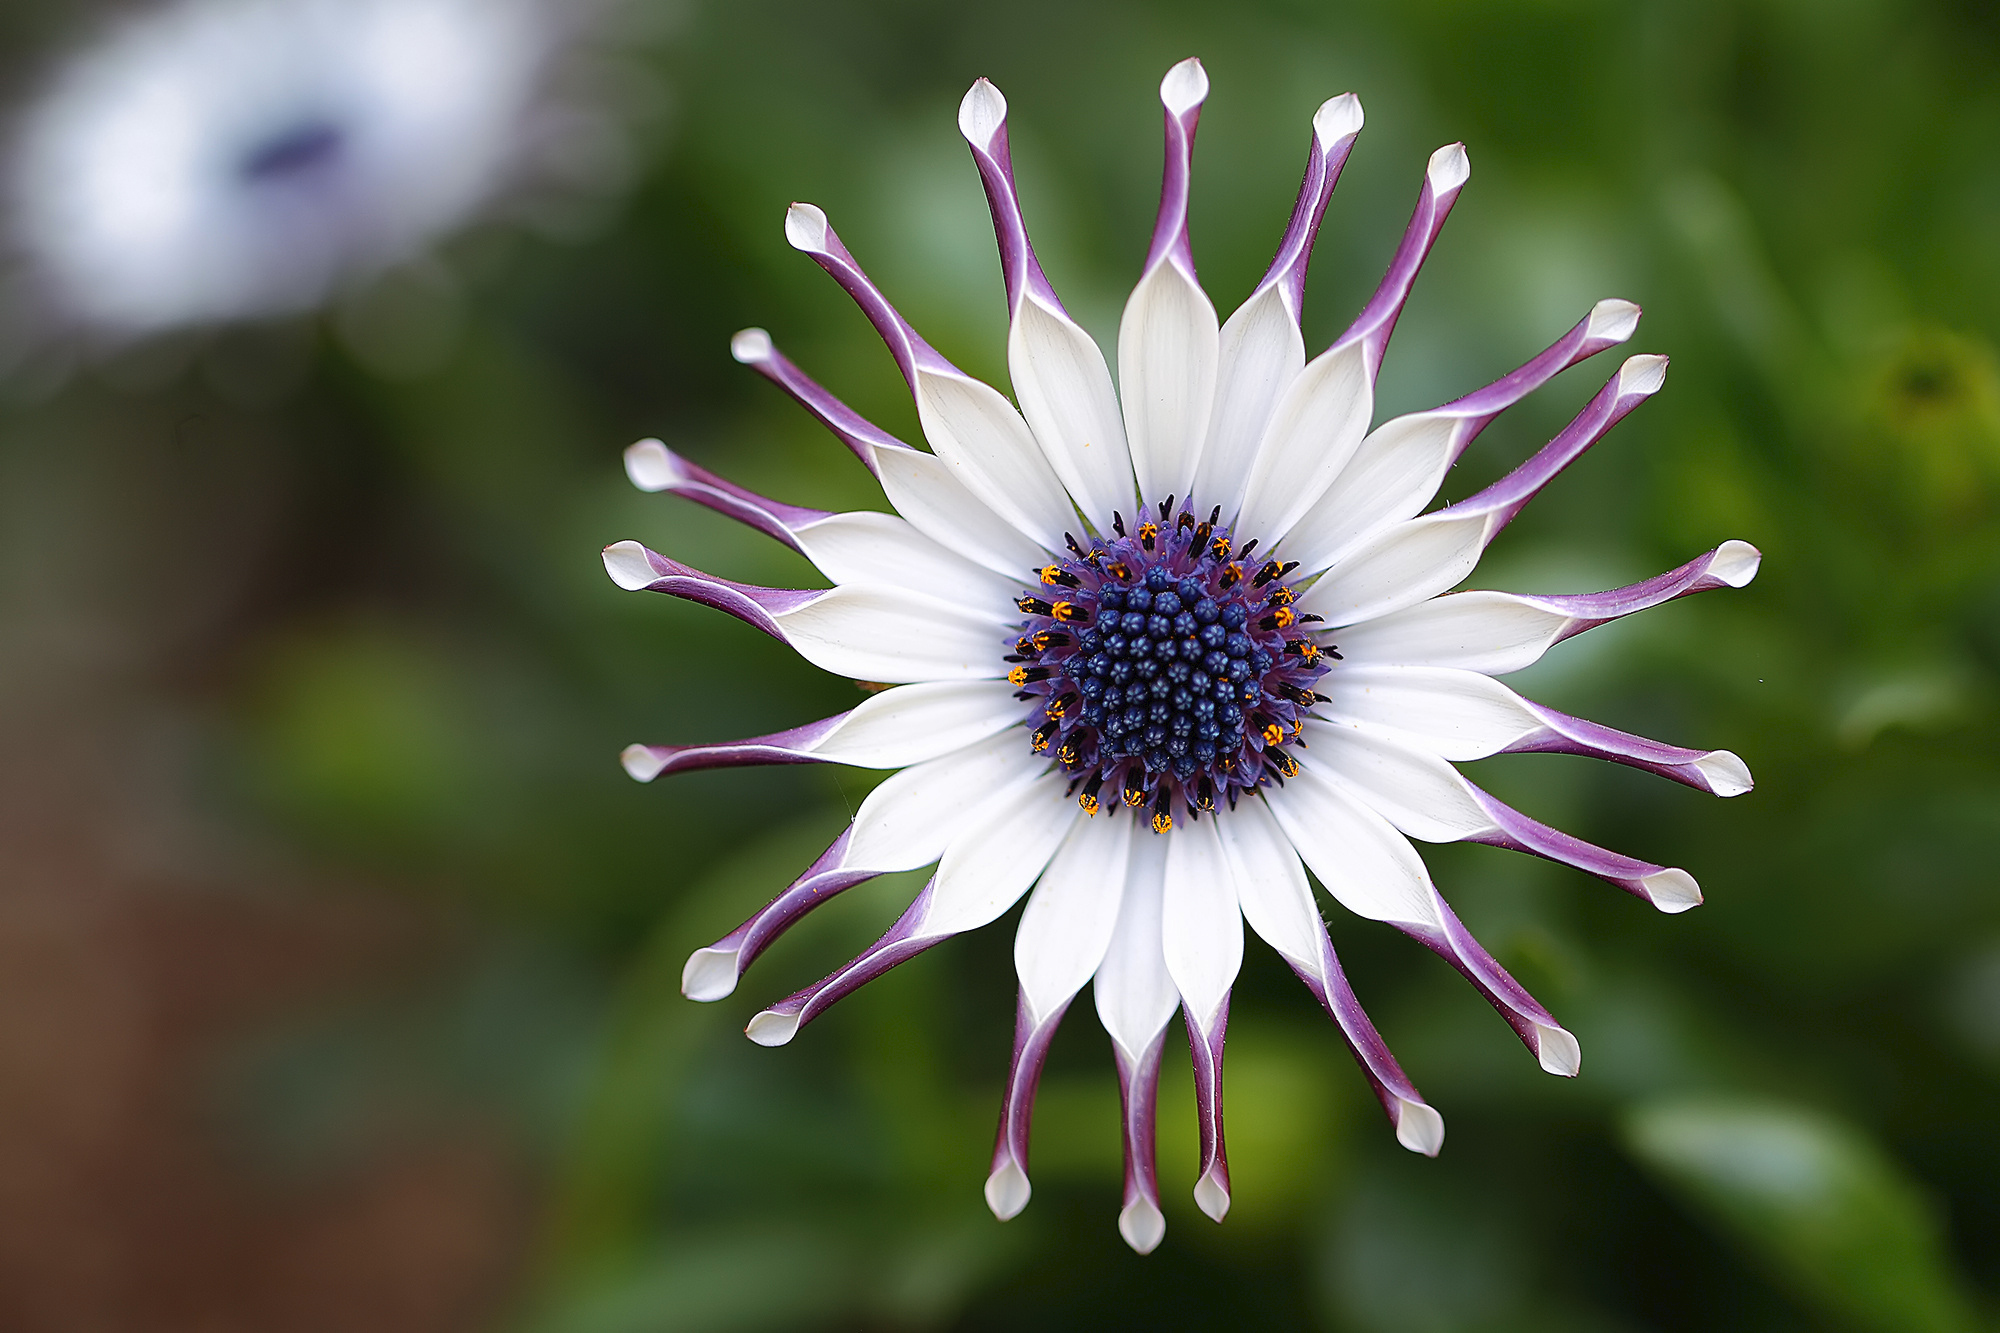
(224, 159)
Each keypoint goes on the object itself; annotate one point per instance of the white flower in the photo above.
(1071, 605)
(222, 159)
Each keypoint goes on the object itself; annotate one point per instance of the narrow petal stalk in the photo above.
(1444, 176)
(1007, 1187)
(1499, 632)
(753, 348)
(1201, 933)
(1668, 888)
(1136, 999)
(712, 973)
(1140, 1220)
(1205, 1042)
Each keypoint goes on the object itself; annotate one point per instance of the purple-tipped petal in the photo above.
(1667, 888)
(1335, 126)
(1411, 562)
(1211, 1187)
(1418, 1126)
(1140, 1220)
(1463, 715)
(712, 973)
(808, 231)
(1059, 373)
(1261, 350)
(1168, 336)
(1007, 1187)
(861, 631)
(1552, 1045)
(1499, 632)
(1444, 176)
(753, 347)
(1398, 468)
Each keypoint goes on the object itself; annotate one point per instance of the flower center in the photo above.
(1165, 669)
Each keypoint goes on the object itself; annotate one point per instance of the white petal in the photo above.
(1457, 714)
(1413, 789)
(1313, 432)
(924, 490)
(1167, 354)
(1068, 922)
(1261, 353)
(1367, 866)
(1201, 928)
(997, 854)
(1394, 473)
(915, 723)
(1135, 994)
(873, 633)
(1491, 632)
(867, 547)
(1271, 885)
(990, 449)
(1066, 395)
(912, 817)
(1399, 567)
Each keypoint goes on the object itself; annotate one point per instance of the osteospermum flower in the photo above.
(1160, 650)
(222, 159)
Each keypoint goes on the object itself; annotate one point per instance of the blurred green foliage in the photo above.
(372, 587)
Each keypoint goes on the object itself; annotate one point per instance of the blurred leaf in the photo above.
(1816, 1201)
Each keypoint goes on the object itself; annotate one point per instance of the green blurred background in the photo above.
(339, 961)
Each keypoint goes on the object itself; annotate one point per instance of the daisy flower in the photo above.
(227, 159)
(1160, 650)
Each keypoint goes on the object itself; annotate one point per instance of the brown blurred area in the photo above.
(141, 939)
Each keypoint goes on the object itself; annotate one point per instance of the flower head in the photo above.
(223, 159)
(1211, 596)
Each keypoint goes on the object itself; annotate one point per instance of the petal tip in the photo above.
(1337, 118)
(1726, 773)
(1449, 168)
(652, 466)
(1211, 1194)
(628, 565)
(711, 974)
(1007, 1191)
(1142, 1225)
(752, 347)
(641, 763)
(1642, 375)
(982, 113)
(772, 1028)
(806, 228)
(1419, 1127)
(1736, 563)
(1184, 88)
(1613, 320)
(1672, 891)
(1557, 1050)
